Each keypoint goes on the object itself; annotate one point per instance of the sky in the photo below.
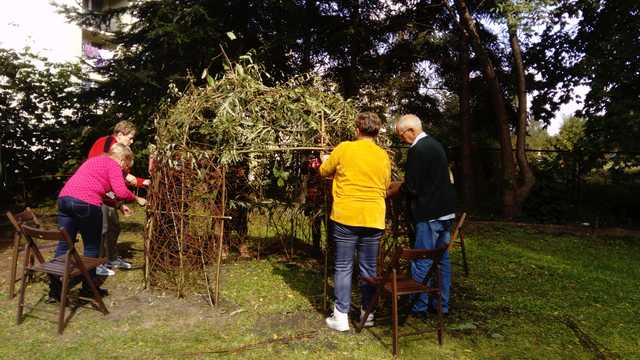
(35, 23)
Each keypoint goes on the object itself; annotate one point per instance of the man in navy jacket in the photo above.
(431, 200)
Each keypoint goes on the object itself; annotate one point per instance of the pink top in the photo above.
(94, 178)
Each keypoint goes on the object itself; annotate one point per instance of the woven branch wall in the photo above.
(185, 225)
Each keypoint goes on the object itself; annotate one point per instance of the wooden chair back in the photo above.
(25, 217)
(457, 241)
(457, 230)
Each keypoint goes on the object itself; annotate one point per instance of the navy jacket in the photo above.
(427, 185)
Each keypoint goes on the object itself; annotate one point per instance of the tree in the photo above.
(41, 112)
(597, 44)
(571, 134)
(538, 138)
(509, 204)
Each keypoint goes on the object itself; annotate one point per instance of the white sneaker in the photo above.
(119, 263)
(102, 270)
(338, 321)
(369, 322)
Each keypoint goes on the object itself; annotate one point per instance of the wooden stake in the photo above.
(224, 202)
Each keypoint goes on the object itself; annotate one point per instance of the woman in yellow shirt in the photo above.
(361, 173)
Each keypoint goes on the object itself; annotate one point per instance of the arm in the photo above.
(387, 181)
(394, 188)
(137, 182)
(118, 186)
(328, 167)
(412, 174)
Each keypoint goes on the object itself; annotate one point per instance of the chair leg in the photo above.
(14, 266)
(372, 305)
(464, 255)
(96, 294)
(394, 315)
(439, 306)
(440, 324)
(63, 302)
(23, 285)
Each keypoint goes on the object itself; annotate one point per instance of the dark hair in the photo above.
(368, 123)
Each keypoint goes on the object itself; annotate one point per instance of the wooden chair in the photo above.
(68, 266)
(25, 217)
(399, 283)
(457, 241)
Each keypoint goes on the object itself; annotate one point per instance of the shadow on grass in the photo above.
(134, 227)
(295, 261)
(128, 249)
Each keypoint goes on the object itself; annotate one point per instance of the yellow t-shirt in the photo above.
(361, 175)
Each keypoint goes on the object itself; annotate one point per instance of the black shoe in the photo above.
(87, 293)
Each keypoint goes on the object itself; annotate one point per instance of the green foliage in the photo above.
(524, 14)
(239, 120)
(538, 137)
(571, 134)
(41, 117)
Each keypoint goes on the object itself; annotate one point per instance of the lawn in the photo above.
(531, 294)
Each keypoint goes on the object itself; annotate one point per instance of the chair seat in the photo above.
(56, 266)
(407, 286)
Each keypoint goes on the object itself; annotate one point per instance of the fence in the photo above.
(600, 189)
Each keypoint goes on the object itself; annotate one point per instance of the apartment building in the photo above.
(97, 47)
(37, 25)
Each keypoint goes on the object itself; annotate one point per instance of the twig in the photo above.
(199, 215)
(206, 278)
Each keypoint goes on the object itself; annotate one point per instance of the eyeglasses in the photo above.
(404, 131)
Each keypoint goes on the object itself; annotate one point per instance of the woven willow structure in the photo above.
(232, 145)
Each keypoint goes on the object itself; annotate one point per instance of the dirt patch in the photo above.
(268, 325)
(150, 306)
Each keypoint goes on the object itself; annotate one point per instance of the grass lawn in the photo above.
(531, 294)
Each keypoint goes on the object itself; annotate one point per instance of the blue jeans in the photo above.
(430, 235)
(347, 238)
(76, 215)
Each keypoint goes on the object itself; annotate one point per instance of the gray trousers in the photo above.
(110, 232)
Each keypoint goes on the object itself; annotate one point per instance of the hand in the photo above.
(146, 182)
(126, 211)
(131, 179)
(314, 163)
(141, 201)
(324, 157)
(394, 188)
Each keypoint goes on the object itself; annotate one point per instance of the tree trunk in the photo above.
(497, 99)
(526, 175)
(464, 97)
